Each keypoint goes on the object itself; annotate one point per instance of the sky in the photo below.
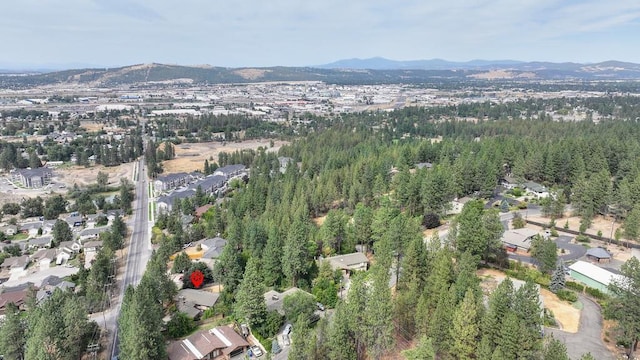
(239, 33)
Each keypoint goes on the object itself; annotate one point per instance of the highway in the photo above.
(138, 251)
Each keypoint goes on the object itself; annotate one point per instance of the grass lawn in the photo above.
(18, 237)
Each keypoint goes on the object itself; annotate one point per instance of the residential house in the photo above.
(518, 239)
(53, 282)
(458, 204)
(536, 189)
(92, 246)
(231, 171)
(30, 228)
(219, 343)
(15, 265)
(92, 233)
(348, 262)
(92, 220)
(34, 178)
(509, 182)
(112, 214)
(74, 220)
(9, 230)
(43, 242)
(201, 210)
(44, 257)
(275, 300)
(212, 250)
(593, 276)
(71, 247)
(193, 302)
(18, 298)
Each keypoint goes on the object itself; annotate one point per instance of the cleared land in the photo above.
(566, 315)
(191, 156)
(85, 176)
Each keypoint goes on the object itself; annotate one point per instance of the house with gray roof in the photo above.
(348, 262)
(518, 239)
(43, 242)
(536, 189)
(92, 233)
(193, 302)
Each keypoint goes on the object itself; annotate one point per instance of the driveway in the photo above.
(588, 338)
(573, 251)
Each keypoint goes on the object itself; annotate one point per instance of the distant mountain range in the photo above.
(379, 63)
(352, 71)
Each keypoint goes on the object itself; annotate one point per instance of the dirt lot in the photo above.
(85, 176)
(191, 156)
(566, 315)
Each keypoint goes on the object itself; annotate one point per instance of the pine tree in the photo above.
(379, 315)
(341, 346)
(555, 350)
(12, 334)
(423, 351)
(557, 278)
(250, 305)
(509, 336)
(464, 330)
(294, 256)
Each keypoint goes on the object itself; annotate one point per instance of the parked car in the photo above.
(287, 329)
(256, 350)
(320, 306)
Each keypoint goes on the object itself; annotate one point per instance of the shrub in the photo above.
(566, 225)
(595, 293)
(574, 286)
(431, 221)
(266, 343)
(554, 232)
(567, 295)
(583, 238)
(522, 205)
(180, 325)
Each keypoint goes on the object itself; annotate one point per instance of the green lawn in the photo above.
(18, 237)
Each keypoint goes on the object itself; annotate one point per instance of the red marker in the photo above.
(197, 278)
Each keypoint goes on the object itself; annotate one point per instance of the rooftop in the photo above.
(594, 272)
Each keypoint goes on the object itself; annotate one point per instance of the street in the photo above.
(138, 254)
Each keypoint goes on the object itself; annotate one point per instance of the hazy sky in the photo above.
(302, 32)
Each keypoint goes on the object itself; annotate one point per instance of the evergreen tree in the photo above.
(250, 305)
(294, 258)
(341, 339)
(181, 263)
(465, 331)
(557, 278)
(624, 305)
(61, 232)
(423, 351)
(379, 315)
(555, 350)
(12, 334)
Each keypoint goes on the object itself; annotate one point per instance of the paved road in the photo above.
(139, 249)
(588, 338)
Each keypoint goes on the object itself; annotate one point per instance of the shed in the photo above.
(598, 254)
(592, 275)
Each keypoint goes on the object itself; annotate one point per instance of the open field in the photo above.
(85, 176)
(191, 156)
(566, 315)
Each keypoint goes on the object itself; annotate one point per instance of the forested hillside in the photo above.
(359, 173)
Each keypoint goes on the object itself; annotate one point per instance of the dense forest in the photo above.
(359, 173)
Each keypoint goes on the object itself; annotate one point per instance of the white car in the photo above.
(256, 350)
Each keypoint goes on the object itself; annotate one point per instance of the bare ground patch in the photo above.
(191, 156)
(566, 315)
(85, 176)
